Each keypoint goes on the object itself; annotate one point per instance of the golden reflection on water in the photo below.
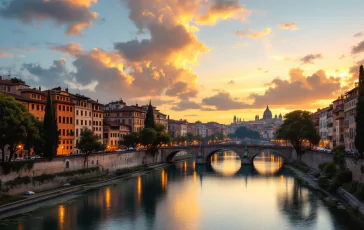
(164, 179)
(185, 166)
(20, 226)
(61, 211)
(139, 189)
(229, 165)
(107, 198)
(267, 163)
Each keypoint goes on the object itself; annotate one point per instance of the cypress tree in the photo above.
(149, 118)
(50, 130)
(359, 117)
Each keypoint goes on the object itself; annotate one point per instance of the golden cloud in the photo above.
(250, 34)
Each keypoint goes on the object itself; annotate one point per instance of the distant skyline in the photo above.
(204, 60)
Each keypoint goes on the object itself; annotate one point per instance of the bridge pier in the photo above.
(245, 161)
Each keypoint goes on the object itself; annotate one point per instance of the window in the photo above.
(81, 122)
(76, 132)
(76, 121)
(68, 120)
(71, 120)
(32, 106)
(93, 122)
(68, 108)
(81, 112)
(64, 108)
(37, 107)
(42, 107)
(89, 123)
(59, 119)
(59, 107)
(64, 132)
(89, 113)
(76, 112)
(64, 142)
(64, 120)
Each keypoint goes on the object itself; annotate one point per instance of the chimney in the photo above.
(40, 88)
(67, 90)
(136, 105)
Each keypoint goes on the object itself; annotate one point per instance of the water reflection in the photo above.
(190, 196)
(225, 163)
(267, 163)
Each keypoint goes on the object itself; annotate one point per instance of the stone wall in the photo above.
(313, 159)
(106, 161)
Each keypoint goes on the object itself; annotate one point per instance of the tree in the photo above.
(89, 143)
(189, 137)
(149, 117)
(147, 137)
(131, 139)
(359, 117)
(244, 132)
(16, 124)
(297, 128)
(50, 130)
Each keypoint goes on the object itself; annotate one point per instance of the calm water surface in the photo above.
(186, 196)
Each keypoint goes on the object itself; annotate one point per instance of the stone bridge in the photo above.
(246, 153)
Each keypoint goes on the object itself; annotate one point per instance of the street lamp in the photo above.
(62, 150)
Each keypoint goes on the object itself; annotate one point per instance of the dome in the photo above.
(267, 113)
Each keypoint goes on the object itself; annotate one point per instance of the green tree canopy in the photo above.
(17, 126)
(244, 132)
(131, 139)
(147, 137)
(359, 117)
(296, 128)
(89, 143)
(149, 117)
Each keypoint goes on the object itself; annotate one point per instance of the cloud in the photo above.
(288, 26)
(309, 58)
(279, 58)
(5, 55)
(72, 49)
(75, 14)
(53, 76)
(221, 10)
(158, 64)
(298, 90)
(358, 48)
(231, 82)
(186, 105)
(250, 34)
(342, 56)
(223, 101)
(191, 115)
(359, 34)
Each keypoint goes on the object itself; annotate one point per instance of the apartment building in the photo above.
(113, 134)
(338, 121)
(197, 128)
(97, 118)
(324, 127)
(351, 99)
(120, 113)
(177, 128)
(65, 115)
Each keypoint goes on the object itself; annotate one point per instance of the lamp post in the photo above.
(62, 150)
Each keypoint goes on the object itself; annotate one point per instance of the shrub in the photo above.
(322, 166)
(360, 191)
(323, 182)
(351, 187)
(341, 178)
(17, 181)
(330, 170)
(317, 174)
(43, 178)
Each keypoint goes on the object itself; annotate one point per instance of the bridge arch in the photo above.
(169, 157)
(273, 151)
(209, 155)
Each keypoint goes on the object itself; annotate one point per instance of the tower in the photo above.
(280, 116)
(234, 119)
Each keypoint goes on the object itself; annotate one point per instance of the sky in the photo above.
(204, 60)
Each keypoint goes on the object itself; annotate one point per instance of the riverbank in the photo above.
(340, 200)
(14, 208)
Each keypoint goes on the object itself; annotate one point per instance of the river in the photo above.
(222, 195)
